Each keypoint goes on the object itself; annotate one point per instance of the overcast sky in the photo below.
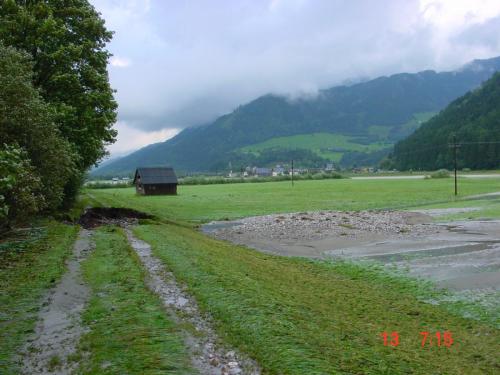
(183, 63)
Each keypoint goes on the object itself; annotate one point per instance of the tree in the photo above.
(27, 122)
(473, 119)
(20, 187)
(66, 40)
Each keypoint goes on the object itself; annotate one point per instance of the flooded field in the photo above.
(459, 255)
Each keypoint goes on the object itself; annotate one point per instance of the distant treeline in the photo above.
(473, 121)
(56, 105)
(211, 180)
(237, 180)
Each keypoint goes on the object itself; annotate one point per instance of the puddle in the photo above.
(207, 355)
(59, 325)
(433, 252)
(436, 212)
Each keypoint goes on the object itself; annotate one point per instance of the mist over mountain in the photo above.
(342, 125)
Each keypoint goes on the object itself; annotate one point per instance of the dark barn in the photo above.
(155, 181)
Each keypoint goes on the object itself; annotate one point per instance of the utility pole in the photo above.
(455, 146)
(292, 172)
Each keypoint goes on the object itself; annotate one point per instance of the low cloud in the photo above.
(196, 60)
(130, 138)
(119, 62)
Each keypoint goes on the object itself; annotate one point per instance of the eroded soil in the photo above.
(96, 216)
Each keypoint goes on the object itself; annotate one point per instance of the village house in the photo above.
(155, 181)
(262, 172)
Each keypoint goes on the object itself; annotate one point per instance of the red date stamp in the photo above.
(427, 339)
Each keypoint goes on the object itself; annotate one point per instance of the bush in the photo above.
(20, 187)
(203, 180)
(107, 185)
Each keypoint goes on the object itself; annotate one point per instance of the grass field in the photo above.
(217, 202)
(297, 316)
(293, 315)
(326, 145)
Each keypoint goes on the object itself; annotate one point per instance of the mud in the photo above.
(437, 212)
(461, 255)
(97, 216)
(208, 355)
(59, 327)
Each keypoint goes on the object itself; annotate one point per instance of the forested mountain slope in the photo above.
(475, 121)
(376, 113)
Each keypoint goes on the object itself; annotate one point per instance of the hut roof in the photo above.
(160, 175)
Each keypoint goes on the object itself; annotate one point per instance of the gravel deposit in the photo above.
(306, 226)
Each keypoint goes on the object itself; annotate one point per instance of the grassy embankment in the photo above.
(31, 262)
(129, 330)
(297, 316)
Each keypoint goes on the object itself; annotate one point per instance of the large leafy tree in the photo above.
(66, 40)
(26, 123)
(21, 191)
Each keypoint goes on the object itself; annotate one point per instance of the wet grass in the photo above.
(197, 204)
(484, 208)
(130, 332)
(31, 262)
(297, 316)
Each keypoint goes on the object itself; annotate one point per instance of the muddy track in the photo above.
(208, 356)
(59, 328)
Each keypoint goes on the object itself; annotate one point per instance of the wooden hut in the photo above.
(155, 181)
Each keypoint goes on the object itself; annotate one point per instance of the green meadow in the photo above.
(202, 203)
(326, 145)
(292, 315)
(298, 316)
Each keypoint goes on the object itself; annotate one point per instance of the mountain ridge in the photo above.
(474, 121)
(383, 109)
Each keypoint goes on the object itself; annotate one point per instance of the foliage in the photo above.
(474, 119)
(25, 120)
(392, 102)
(66, 40)
(240, 180)
(270, 157)
(20, 187)
(107, 185)
(364, 159)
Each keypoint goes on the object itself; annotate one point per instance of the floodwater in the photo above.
(461, 255)
(464, 256)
